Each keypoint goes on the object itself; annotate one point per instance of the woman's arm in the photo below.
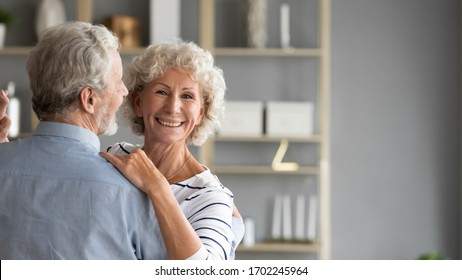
(180, 239)
(210, 214)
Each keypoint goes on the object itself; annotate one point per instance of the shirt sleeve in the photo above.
(238, 230)
(211, 218)
(201, 254)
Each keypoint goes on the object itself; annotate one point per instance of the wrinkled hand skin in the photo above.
(5, 122)
(138, 169)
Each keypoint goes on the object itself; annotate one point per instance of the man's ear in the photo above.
(87, 98)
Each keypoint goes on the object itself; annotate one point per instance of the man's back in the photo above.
(60, 200)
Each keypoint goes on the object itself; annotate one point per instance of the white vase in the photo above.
(165, 20)
(49, 13)
(13, 111)
(2, 34)
(255, 23)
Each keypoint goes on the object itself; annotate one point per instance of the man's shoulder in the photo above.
(11, 150)
(98, 169)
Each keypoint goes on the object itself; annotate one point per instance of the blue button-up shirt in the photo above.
(60, 200)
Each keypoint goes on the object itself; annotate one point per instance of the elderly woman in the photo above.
(176, 95)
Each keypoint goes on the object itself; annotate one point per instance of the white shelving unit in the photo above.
(322, 53)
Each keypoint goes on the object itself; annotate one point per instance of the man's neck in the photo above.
(75, 119)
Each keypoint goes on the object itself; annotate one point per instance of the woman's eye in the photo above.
(161, 92)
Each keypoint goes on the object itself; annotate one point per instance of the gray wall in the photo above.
(394, 121)
(395, 128)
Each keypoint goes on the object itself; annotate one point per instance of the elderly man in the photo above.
(58, 198)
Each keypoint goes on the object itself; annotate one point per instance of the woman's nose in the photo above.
(172, 104)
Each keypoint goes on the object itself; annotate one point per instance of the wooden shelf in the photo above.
(267, 52)
(132, 51)
(281, 247)
(24, 50)
(20, 50)
(319, 53)
(264, 138)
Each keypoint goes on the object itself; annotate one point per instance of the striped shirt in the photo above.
(208, 206)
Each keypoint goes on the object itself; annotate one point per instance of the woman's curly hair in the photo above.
(159, 58)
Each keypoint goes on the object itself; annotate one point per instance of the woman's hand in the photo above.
(5, 122)
(180, 239)
(236, 212)
(137, 168)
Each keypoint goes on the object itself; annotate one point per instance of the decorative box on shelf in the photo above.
(242, 118)
(289, 118)
(126, 28)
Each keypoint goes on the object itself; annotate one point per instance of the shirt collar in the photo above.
(69, 131)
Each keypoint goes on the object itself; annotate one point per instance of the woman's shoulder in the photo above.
(122, 148)
(206, 181)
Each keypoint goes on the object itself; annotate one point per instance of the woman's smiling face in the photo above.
(171, 106)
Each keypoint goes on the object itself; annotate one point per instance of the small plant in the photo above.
(431, 256)
(6, 17)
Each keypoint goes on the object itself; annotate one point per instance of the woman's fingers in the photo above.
(3, 103)
(236, 212)
(111, 158)
(136, 167)
(5, 122)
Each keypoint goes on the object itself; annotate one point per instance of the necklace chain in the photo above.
(181, 168)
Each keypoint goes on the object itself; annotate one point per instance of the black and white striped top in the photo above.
(208, 206)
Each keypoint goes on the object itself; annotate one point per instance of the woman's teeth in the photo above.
(171, 124)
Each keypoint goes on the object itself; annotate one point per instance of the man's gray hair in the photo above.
(68, 58)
